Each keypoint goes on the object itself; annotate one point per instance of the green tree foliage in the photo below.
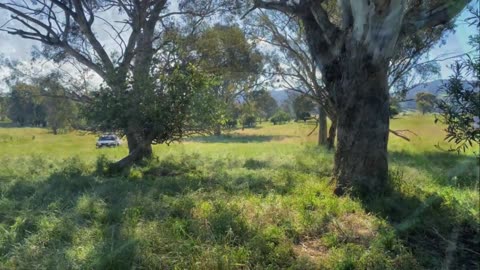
(141, 67)
(181, 103)
(425, 102)
(395, 107)
(280, 117)
(460, 108)
(44, 102)
(27, 106)
(225, 52)
(61, 112)
(264, 103)
(248, 115)
(394, 111)
(302, 106)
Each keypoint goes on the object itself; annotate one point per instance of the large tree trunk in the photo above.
(322, 131)
(361, 164)
(139, 141)
(139, 148)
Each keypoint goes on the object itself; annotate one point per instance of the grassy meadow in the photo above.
(259, 198)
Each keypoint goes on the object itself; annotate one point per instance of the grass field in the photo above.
(254, 199)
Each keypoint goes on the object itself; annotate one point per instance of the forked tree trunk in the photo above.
(361, 164)
(139, 148)
(139, 143)
(322, 130)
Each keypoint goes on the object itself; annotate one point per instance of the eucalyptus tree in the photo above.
(264, 103)
(61, 110)
(125, 42)
(26, 105)
(353, 49)
(293, 63)
(225, 52)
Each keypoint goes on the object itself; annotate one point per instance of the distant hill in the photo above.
(279, 95)
(433, 87)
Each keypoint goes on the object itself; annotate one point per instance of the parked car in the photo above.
(108, 140)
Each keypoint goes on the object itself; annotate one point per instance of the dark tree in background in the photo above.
(44, 101)
(425, 102)
(26, 105)
(303, 106)
(265, 105)
(61, 111)
(3, 106)
(353, 51)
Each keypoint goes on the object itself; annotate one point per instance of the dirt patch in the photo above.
(312, 249)
(354, 228)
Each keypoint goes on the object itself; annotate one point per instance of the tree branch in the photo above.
(418, 18)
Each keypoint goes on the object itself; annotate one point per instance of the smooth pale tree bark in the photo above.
(352, 54)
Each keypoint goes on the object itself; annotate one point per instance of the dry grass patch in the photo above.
(356, 228)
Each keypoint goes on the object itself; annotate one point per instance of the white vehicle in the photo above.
(108, 140)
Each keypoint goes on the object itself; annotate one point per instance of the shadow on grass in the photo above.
(462, 171)
(236, 139)
(440, 231)
(89, 221)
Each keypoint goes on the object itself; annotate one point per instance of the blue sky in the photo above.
(456, 43)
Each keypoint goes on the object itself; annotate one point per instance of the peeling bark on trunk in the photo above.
(361, 164)
(322, 131)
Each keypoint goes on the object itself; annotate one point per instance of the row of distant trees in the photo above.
(42, 103)
(45, 102)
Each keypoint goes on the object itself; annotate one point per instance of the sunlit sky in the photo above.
(14, 47)
(456, 43)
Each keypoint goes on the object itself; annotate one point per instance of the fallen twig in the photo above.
(398, 133)
(313, 130)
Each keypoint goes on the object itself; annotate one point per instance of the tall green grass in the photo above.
(255, 199)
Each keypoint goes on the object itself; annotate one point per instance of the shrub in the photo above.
(280, 117)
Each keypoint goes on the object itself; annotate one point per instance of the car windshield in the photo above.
(107, 138)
